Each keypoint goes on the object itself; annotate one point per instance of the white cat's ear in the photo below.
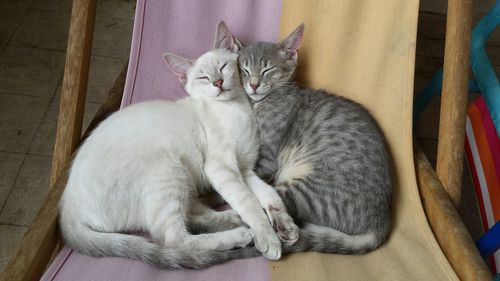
(223, 38)
(179, 65)
(292, 42)
(238, 43)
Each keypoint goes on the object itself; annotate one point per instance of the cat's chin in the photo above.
(256, 96)
(223, 92)
(224, 95)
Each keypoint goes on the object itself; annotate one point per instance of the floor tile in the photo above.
(112, 37)
(496, 67)
(430, 149)
(431, 25)
(494, 54)
(90, 111)
(10, 163)
(17, 3)
(44, 141)
(29, 191)
(427, 66)
(103, 72)
(10, 18)
(20, 117)
(30, 71)
(428, 122)
(430, 47)
(53, 5)
(10, 236)
(419, 83)
(468, 207)
(44, 30)
(123, 9)
(494, 38)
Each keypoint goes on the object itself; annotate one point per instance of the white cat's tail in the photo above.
(328, 240)
(102, 244)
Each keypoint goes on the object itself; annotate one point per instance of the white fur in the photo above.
(294, 164)
(359, 241)
(142, 167)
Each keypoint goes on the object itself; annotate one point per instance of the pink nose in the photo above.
(254, 87)
(218, 83)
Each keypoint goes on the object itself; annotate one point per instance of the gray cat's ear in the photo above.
(223, 38)
(179, 65)
(292, 42)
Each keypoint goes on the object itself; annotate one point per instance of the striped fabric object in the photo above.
(482, 147)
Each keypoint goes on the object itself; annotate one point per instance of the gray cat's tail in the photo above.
(101, 244)
(328, 240)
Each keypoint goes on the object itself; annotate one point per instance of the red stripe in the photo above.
(486, 160)
(491, 133)
(475, 183)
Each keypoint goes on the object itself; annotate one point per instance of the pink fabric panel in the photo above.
(70, 265)
(187, 28)
(184, 27)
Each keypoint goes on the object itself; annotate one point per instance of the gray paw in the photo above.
(245, 237)
(284, 226)
(233, 218)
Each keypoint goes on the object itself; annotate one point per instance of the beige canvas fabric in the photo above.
(365, 50)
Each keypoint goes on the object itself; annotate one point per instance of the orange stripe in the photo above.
(486, 160)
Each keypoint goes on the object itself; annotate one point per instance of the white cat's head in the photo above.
(214, 75)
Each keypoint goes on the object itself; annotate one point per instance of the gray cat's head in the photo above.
(214, 75)
(266, 66)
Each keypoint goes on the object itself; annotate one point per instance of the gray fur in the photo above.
(138, 248)
(347, 192)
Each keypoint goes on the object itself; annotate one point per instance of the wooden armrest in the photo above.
(449, 230)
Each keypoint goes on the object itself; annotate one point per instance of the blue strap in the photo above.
(489, 243)
(481, 65)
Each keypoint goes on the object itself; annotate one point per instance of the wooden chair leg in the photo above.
(454, 97)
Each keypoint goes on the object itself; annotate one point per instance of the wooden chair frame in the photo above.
(440, 192)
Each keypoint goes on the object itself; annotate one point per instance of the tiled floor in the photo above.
(32, 51)
(33, 37)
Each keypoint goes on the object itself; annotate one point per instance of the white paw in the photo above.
(268, 243)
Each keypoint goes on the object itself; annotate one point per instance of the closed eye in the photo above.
(203, 78)
(223, 67)
(266, 71)
(245, 70)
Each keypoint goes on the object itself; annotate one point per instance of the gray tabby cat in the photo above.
(324, 154)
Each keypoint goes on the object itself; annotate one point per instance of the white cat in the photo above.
(144, 167)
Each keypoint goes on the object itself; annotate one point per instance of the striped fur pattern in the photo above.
(144, 168)
(325, 154)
